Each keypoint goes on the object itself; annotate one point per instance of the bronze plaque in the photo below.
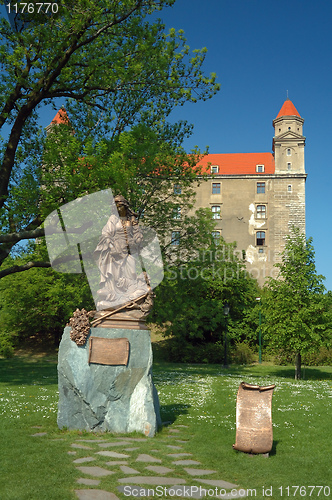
(254, 418)
(108, 351)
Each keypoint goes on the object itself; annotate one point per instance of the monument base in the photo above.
(119, 398)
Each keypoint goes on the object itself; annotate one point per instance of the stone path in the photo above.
(137, 473)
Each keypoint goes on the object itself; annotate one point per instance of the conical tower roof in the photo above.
(60, 117)
(288, 109)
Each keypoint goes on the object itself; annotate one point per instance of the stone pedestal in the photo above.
(99, 397)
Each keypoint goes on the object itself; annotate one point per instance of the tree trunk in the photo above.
(298, 366)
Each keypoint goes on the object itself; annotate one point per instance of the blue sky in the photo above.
(259, 50)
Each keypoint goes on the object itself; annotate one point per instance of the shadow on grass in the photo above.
(307, 373)
(183, 370)
(26, 371)
(274, 448)
(169, 413)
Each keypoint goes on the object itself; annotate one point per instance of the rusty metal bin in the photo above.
(254, 432)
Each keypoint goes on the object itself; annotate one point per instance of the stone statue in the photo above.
(123, 283)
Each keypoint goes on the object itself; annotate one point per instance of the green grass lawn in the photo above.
(201, 397)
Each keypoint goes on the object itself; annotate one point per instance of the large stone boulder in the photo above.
(98, 397)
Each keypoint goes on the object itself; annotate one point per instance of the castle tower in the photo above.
(288, 141)
(289, 183)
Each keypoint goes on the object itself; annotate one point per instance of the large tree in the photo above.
(297, 319)
(117, 71)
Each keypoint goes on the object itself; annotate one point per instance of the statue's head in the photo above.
(123, 206)
(121, 200)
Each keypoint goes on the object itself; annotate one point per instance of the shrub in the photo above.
(7, 342)
(242, 354)
(320, 358)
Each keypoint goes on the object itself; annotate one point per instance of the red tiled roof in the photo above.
(238, 163)
(288, 109)
(60, 117)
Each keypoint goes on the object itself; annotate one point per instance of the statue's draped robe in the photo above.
(117, 256)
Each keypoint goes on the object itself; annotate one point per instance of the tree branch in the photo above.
(23, 267)
(23, 235)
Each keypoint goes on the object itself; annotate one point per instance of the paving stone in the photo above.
(181, 441)
(95, 471)
(218, 482)
(176, 455)
(238, 494)
(174, 447)
(155, 451)
(93, 441)
(174, 430)
(133, 491)
(157, 480)
(136, 439)
(185, 491)
(159, 469)
(182, 426)
(147, 458)
(81, 446)
(71, 452)
(88, 482)
(186, 462)
(131, 449)
(199, 472)
(128, 470)
(116, 443)
(39, 434)
(113, 454)
(83, 460)
(95, 495)
(117, 462)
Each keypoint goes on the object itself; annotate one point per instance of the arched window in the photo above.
(216, 235)
(216, 212)
(261, 212)
(260, 238)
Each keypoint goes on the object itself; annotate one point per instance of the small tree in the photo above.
(190, 302)
(296, 310)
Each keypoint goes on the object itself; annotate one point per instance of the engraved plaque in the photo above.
(254, 419)
(108, 351)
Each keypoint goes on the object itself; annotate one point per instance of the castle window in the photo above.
(289, 152)
(260, 187)
(261, 212)
(216, 188)
(289, 128)
(260, 238)
(260, 168)
(216, 235)
(175, 238)
(177, 189)
(289, 188)
(214, 169)
(289, 166)
(215, 211)
(177, 213)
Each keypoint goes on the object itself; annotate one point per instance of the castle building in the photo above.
(256, 198)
